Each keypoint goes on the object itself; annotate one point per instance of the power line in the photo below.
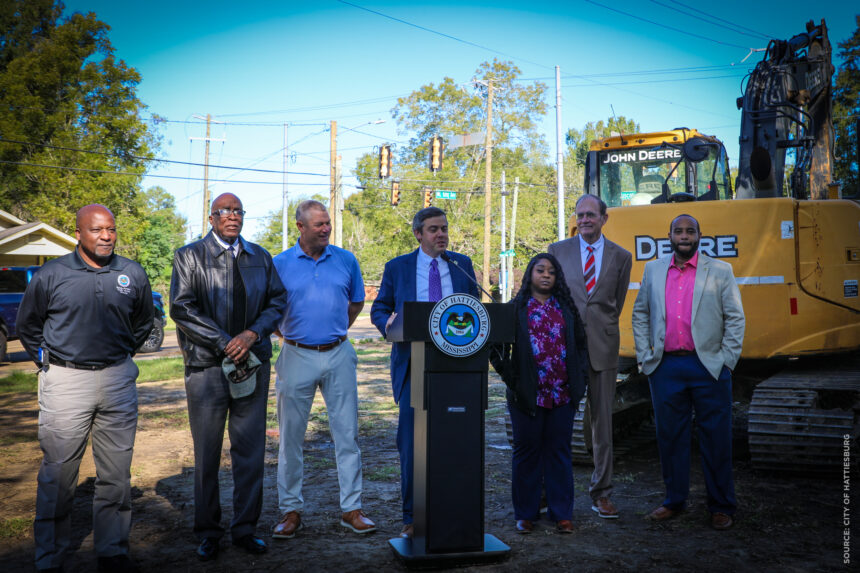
(172, 161)
(765, 36)
(640, 82)
(755, 34)
(680, 31)
(126, 173)
(450, 37)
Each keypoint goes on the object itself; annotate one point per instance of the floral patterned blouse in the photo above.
(546, 334)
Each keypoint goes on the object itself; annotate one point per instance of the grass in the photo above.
(383, 473)
(159, 369)
(19, 382)
(172, 418)
(150, 371)
(14, 527)
(364, 351)
(18, 437)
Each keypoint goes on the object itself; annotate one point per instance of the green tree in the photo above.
(578, 144)
(163, 233)
(846, 114)
(376, 231)
(270, 237)
(69, 118)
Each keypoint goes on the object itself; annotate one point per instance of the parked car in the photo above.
(159, 321)
(13, 282)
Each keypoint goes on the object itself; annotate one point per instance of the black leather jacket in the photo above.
(201, 301)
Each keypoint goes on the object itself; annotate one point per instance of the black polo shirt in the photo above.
(86, 315)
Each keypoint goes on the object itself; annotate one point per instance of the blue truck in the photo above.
(13, 282)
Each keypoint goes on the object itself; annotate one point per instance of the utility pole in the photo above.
(206, 180)
(285, 223)
(559, 159)
(513, 229)
(503, 271)
(206, 199)
(488, 188)
(338, 203)
(332, 203)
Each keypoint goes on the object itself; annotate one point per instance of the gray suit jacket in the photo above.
(601, 310)
(717, 319)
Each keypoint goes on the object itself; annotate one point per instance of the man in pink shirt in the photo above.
(688, 325)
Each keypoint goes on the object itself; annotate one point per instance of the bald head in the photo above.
(227, 226)
(84, 213)
(95, 230)
(225, 201)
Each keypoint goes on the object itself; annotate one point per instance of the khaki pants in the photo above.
(72, 404)
(300, 371)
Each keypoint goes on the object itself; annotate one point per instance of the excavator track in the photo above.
(804, 419)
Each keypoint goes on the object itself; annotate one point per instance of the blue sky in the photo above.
(256, 65)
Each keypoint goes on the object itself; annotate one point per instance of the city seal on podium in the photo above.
(459, 325)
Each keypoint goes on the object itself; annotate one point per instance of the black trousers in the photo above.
(209, 407)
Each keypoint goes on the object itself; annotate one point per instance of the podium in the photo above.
(449, 396)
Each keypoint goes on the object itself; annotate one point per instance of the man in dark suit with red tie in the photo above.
(598, 274)
(425, 274)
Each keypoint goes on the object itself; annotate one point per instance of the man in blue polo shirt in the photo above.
(325, 293)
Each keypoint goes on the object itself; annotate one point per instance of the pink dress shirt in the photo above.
(679, 305)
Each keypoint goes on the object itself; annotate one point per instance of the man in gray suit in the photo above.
(688, 324)
(598, 274)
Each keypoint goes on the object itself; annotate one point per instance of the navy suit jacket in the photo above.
(398, 286)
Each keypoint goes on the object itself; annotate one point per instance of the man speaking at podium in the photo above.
(426, 274)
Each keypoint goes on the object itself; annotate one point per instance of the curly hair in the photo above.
(560, 291)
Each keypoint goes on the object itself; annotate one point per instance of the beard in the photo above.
(688, 251)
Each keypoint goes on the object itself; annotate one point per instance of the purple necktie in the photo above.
(434, 290)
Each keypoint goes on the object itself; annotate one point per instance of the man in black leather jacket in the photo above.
(226, 298)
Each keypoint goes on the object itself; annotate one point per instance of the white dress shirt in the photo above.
(236, 244)
(598, 255)
(422, 277)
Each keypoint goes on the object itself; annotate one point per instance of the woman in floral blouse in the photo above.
(546, 371)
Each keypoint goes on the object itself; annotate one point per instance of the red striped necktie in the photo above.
(590, 278)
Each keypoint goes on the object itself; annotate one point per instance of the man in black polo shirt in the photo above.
(81, 319)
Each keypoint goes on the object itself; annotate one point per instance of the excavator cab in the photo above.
(663, 167)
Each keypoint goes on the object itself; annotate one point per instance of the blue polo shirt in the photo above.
(318, 293)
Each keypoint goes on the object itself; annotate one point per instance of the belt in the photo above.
(78, 366)
(680, 352)
(317, 347)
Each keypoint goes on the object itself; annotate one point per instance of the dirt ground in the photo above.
(783, 523)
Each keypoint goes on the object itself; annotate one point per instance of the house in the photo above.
(24, 244)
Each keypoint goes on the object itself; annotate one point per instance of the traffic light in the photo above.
(428, 197)
(384, 161)
(436, 149)
(395, 193)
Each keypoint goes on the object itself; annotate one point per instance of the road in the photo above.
(17, 359)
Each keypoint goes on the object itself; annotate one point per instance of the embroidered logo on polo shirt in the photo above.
(122, 284)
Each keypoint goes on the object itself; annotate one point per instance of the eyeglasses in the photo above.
(228, 212)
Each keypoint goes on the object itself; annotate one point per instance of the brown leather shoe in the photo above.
(662, 513)
(357, 521)
(287, 527)
(605, 508)
(721, 521)
(525, 526)
(564, 526)
(408, 531)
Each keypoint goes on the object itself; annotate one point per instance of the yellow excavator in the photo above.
(793, 242)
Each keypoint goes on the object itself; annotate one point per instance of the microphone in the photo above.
(451, 261)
